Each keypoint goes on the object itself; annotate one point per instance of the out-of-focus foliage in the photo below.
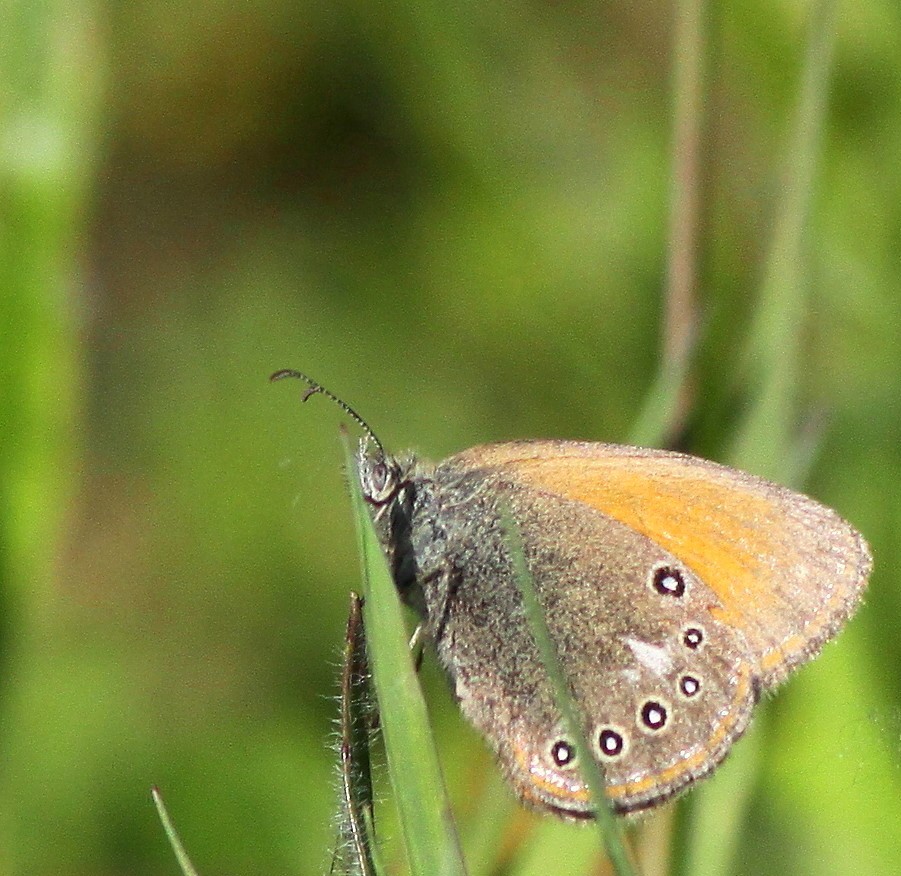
(454, 215)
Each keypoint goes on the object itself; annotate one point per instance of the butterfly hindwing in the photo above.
(664, 686)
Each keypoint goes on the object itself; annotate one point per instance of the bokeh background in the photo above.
(456, 217)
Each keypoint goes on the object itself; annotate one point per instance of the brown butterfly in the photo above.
(675, 591)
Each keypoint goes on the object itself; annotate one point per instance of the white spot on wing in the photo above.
(654, 658)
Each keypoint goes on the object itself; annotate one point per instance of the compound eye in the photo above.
(379, 478)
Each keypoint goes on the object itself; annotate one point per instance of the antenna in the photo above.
(313, 388)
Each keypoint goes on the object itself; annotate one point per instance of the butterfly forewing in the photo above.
(787, 571)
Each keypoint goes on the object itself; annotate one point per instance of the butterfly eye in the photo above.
(379, 480)
(379, 477)
(562, 753)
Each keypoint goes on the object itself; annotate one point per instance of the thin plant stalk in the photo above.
(181, 855)
(766, 442)
(608, 826)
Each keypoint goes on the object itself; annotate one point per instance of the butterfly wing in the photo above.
(786, 571)
(665, 688)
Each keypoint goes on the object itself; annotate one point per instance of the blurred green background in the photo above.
(455, 216)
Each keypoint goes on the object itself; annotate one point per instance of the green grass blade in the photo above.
(608, 826)
(685, 171)
(354, 850)
(50, 96)
(663, 405)
(485, 837)
(766, 441)
(766, 437)
(714, 816)
(180, 854)
(433, 848)
(669, 399)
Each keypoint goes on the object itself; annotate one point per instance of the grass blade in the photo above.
(664, 406)
(609, 827)
(765, 438)
(180, 854)
(433, 848)
(766, 442)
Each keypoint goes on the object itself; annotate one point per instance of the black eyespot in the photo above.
(689, 685)
(562, 753)
(654, 715)
(693, 638)
(611, 743)
(668, 581)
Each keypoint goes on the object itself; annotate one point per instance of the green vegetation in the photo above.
(457, 218)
